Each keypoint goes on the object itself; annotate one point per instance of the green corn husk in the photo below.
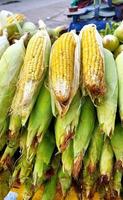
(14, 127)
(91, 161)
(119, 64)
(22, 170)
(15, 175)
(29, 189)
(83, 134)
(9, 69)
(88, 179)
(3, 139)
(94, 150)
(24, 167)
(117, 183)
(4, 44)
(117, 145)
(43, 156)
(65, 181)
(6, 159)
(40, 119)
(5, 176)
(65, 126)
(50, 186)
(106, 162)
(67, 158)
(106, 111)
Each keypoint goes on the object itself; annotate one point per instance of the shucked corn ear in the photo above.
(64, 71)
(32, 74)
(106, 111)
(92, 74)
(12, 23)
(4, 44)
(10, 65)
(16, 17)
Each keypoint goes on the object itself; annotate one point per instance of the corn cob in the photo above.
(4, 44)
(117, 145)
(32, 74)
(83, 134)
(65, 126)
(64, 71)
(16, 17)
(65, 181)
(106, 162)
(9, 69)
(106, 111)
(43, 156)
(93, 78)
(39, 120)
(119, 64)
(13, 24)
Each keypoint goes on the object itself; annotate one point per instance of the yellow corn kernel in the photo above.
(18, 17)
(93, 77)
(32, 74)
(62, 66)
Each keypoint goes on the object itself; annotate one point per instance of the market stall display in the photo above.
(61, 111)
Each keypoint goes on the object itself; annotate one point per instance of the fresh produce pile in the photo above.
(61, 111)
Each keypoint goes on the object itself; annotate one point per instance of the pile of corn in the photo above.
(61, 113)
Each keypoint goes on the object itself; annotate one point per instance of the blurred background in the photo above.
(51, 11)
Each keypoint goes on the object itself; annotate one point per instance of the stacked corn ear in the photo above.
(64, 70)
(65, 181)
(90, 171)
(65, 127)
(116, 142)
(9, 70)
(12, 23)
(83, 134)
(43, 157)
(4, 44)
(119, 61)
(15, 17)
(51, 185)
(39, 120)
(31, 78)
(51, 132)
(93, 66)
(106, 111)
